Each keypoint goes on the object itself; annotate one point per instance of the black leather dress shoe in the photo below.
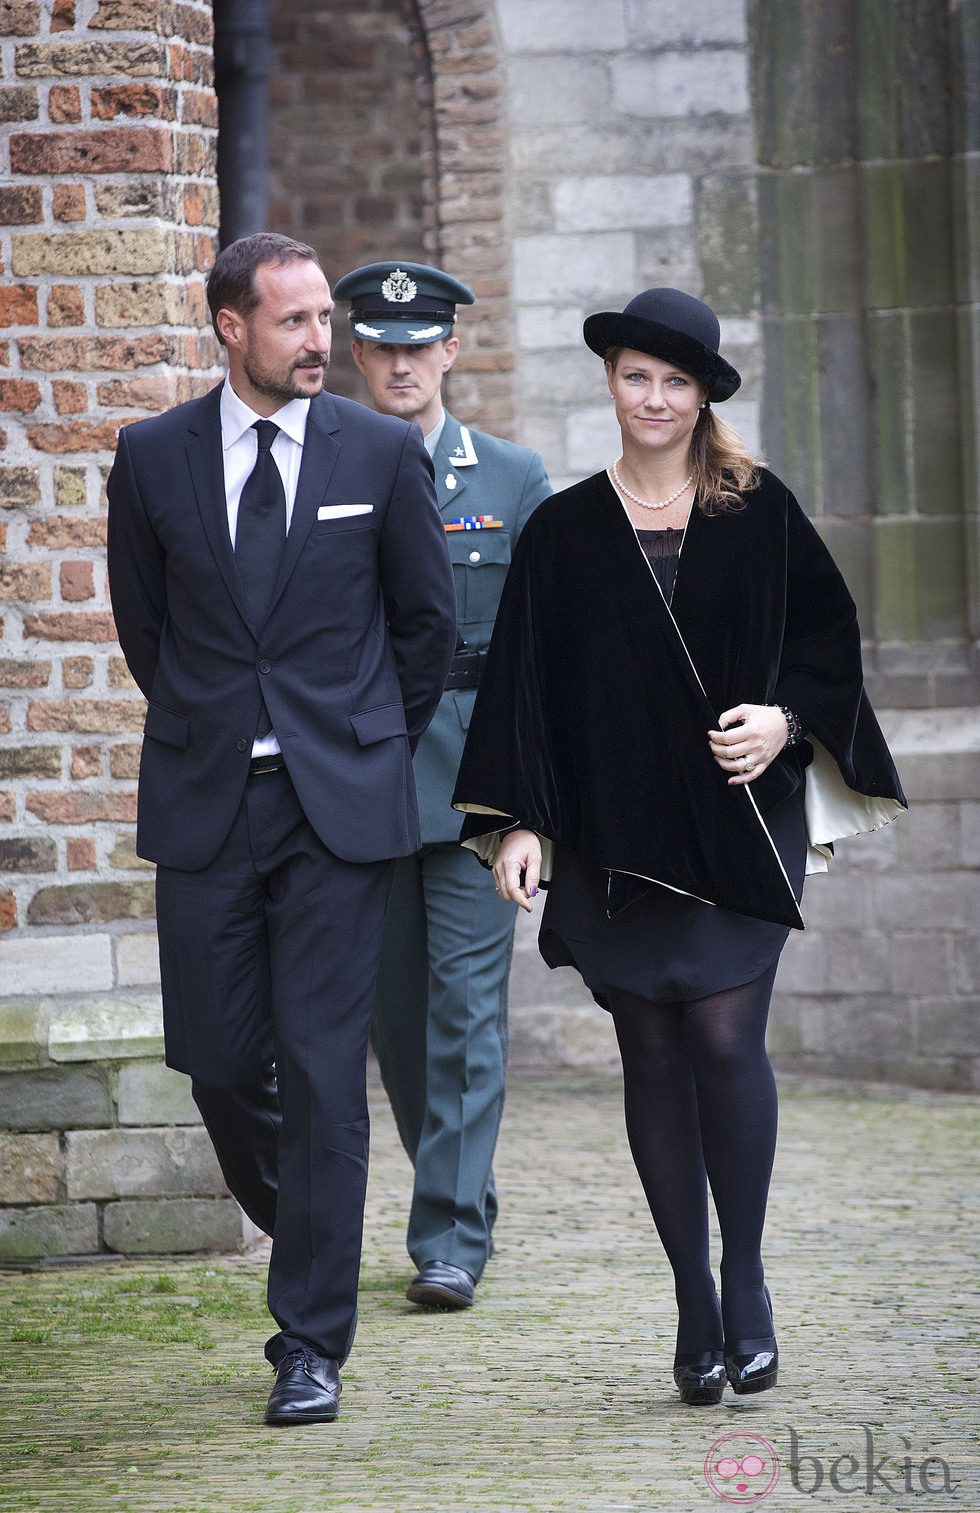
(440, 1285)
(700, 1379)
(307, 1390)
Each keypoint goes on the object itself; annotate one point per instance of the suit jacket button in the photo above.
(265, 667)
(474, 556)
(241, 745)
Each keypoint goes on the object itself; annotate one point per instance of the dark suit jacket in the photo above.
(351, 659)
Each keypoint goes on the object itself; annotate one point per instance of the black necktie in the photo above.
(261, 530)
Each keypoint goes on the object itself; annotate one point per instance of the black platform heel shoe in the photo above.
(753, 1365)
(700, 1379)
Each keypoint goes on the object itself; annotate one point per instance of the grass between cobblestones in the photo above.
(139, 1386)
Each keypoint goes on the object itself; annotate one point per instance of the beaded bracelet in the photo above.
(794, 726)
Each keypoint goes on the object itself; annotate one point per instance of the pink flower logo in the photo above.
(741, 1468)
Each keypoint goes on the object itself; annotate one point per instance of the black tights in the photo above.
(701, 1109)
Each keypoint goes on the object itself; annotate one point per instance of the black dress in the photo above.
(638, 937)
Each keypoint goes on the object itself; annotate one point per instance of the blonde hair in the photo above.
(723, 467)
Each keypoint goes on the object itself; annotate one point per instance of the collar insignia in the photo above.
(465, 453)
(450, 481)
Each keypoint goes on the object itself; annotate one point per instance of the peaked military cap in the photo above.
(405, 304)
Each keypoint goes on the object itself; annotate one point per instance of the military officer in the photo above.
(440, 1016)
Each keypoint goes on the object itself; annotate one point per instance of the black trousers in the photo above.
(268, 963)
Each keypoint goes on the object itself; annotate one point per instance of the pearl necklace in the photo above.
(646, 503)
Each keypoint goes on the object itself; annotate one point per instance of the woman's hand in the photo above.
(750, 736)
(517, 870)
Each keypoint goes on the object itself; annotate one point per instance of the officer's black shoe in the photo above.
(439, 1285)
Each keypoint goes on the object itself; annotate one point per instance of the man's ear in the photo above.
(231, 326)
(356, 348)
(450, 349)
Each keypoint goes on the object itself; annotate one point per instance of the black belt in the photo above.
(260, 764)
(465, 670)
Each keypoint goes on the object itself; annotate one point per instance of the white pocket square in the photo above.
(338, 511)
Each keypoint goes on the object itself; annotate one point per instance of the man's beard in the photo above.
(282, 391)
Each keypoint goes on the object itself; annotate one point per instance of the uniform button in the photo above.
(241, 745)
(265, 667)
(474, 556)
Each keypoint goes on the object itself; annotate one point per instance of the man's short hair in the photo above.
(231, 282)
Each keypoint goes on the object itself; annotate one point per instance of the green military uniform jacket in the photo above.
(476, 475)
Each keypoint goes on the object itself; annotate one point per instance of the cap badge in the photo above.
(398, 288)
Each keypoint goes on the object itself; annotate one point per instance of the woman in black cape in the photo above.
(671, 729)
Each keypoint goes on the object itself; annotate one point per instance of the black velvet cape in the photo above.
(591, 719)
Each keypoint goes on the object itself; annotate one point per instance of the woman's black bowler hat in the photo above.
(671, 325)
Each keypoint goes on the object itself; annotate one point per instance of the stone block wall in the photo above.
(631, 164)
(652, 150)
(102, 1149)
(867, 270)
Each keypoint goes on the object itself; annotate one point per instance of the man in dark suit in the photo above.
(440, 1013)
(283, 596)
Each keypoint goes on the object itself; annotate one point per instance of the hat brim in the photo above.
(612, 328)
(417, 331)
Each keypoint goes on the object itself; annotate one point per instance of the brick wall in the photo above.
(387, 138)
(347, 133)
(106, 224)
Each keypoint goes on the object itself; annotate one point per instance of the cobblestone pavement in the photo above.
(140, 1386)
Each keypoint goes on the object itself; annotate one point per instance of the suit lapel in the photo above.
(208, 477)
(321, 449)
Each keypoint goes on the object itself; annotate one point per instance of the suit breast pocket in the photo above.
(332, 518)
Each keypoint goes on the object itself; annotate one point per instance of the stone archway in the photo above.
(470, 176)
(386, 139)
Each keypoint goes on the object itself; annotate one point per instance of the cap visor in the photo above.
(400, 333)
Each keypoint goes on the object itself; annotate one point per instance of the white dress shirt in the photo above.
(239, 449)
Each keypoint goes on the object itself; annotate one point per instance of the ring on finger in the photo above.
(748, 763)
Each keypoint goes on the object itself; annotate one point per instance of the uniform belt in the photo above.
(465, 670)
(261, 764)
